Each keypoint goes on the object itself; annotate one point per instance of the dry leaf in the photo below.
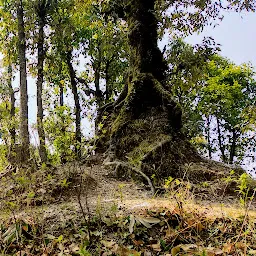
(156, 247)
(132, 222)
(127, 252)
(115, 248)
(199, 227)
(187, 247)
(214, 251)
(228, 248)
(108, 244)
(147, 222)
(74, 248)
(241, 245)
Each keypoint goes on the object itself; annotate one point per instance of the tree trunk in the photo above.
(24, 134)
(209, 137)
(145, 54)
(232, 152)
(97, 70)
(12, 111)
(221, 147)
(61, 95)
(108, 88)
(72, 74)
(41, 13)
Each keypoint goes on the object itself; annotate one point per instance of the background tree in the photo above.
(42, 8)
(24, 134)
(215, 95)
(228, 94)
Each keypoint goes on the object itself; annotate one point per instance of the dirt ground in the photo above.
(105, 195)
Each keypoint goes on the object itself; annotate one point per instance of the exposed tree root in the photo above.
(109, 107)
(134, 169)
(151, 152)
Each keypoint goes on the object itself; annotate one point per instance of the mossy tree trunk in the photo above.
(145, 127)
(145, 54)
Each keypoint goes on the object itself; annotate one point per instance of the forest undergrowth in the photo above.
(82, 209)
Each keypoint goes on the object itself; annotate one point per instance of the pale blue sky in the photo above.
(236, 34)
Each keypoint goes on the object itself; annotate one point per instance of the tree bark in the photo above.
(97, 70)
(146, 57)
(72, 74)
(208, 121)
(24, 133)
(148, 116)
(61, 95)
(12, 110)
(12, 150)
(232, 152)
(221, 147)
(41, 13)
(108, 88)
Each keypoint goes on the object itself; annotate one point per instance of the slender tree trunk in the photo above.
(232, 152)
(209, 137)
(108, 88)
(40, 79)
(61, 95)
(24, 134)
(97, 70)
(12, 110)
(222, 149)
(61, 104)
(78, 136)
(98, 92)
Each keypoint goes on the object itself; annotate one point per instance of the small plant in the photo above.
(243, 189)
(120, 190)
(205, 184)
(178, 188)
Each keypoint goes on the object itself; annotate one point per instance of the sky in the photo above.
(236, 34)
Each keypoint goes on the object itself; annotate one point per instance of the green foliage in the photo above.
(228, 94)
(60, 133)
(3, 157)
(217, 97)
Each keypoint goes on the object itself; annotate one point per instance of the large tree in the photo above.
(145, 122)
